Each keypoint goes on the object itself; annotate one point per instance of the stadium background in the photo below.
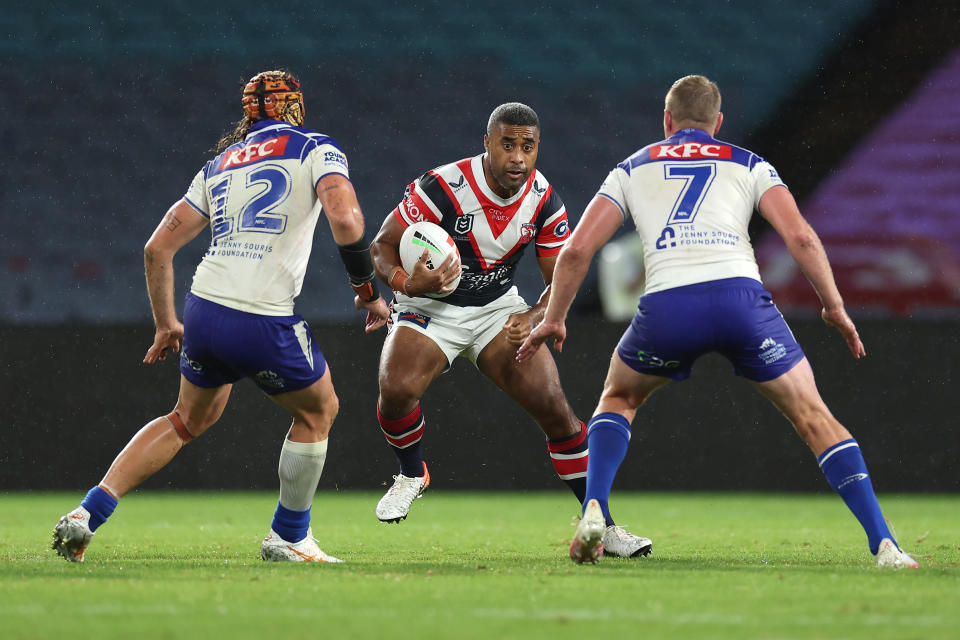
(110, 110)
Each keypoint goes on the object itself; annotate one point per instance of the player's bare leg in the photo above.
(795, 394)
(147, 452)
(409, 363)
(535, 386)
(302, 458)
(161, 439)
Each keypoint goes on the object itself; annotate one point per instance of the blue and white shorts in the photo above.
(735, 317)
(222, 345)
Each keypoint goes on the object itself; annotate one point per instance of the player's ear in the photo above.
(716, 129)
(667, 122)
(486, 142)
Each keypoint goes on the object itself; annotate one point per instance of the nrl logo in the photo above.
(464, 224)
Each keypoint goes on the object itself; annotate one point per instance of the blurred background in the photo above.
(109, 110)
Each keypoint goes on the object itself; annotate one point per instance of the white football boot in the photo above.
(276, 549)
(395, 504)
(72, 535)
(891, 557)
(587, 545)
(619, 542)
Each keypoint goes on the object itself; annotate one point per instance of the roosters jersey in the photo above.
(691, 198)
(491, 233)
(260, 197)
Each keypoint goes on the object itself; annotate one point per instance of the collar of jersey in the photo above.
(261, 125)
(687, 134)
(476, 165)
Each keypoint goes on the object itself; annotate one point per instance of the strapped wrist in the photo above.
(398, 280)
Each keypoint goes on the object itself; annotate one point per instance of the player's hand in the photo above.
(540, 334)
(839, 319)
(164, 340)
(377, 312)
(425, 280)
(519, 325)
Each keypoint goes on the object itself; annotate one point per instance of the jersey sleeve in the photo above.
(764, 176)
(555, 229)
(327, 158)
(612, 189)
(196, 195)
(423, 200)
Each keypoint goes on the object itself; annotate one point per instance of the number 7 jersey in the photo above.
(260, 198)
(691, 198)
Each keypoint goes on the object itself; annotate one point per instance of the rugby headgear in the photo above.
(275, 95)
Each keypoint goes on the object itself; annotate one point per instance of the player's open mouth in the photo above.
(515, 174)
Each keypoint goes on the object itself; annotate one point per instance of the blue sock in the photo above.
(846, 472)
(289, 524)
(608, 435)
(100, 504)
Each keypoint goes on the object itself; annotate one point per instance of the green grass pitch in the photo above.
(481, 565)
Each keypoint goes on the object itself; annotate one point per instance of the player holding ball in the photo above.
(493, 205)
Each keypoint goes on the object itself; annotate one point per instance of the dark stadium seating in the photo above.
(111, 110)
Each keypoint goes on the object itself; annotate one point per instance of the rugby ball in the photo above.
(433, 238)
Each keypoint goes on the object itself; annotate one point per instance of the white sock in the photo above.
(301, 464)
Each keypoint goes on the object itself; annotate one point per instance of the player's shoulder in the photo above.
(444, 181)
(315, 138)
(742, 155)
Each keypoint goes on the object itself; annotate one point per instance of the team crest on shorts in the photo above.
(270, 379)
(414, 318)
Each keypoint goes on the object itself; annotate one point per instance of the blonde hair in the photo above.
(695, 100)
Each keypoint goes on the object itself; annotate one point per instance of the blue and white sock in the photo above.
(291, 525)
(608, 436)
(301, 464)
(846, 471)
(100, 504)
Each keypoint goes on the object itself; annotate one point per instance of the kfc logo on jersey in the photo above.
(254, 152)
(690, 150)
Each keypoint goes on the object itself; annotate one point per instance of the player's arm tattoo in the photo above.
(331, 187)
(172, 221)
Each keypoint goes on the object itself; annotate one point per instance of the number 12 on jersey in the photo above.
(257, 214)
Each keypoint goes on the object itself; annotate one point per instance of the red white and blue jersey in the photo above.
(691, 198)
(491, 233)
(260, 197)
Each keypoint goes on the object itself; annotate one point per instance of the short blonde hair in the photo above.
(694, 99)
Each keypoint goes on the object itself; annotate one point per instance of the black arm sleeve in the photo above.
(356, 258)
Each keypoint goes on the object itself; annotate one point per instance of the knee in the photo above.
(197, 421)
(621, 399)
(397, 392)
(817, 425)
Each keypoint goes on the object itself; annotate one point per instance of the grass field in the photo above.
(473, 565)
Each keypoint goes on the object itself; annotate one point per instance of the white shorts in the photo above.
(456, 330)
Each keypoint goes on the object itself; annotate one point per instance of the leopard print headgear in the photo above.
(275, 95)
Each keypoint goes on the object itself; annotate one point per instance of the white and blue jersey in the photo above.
(691, 198)
(260, 197)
